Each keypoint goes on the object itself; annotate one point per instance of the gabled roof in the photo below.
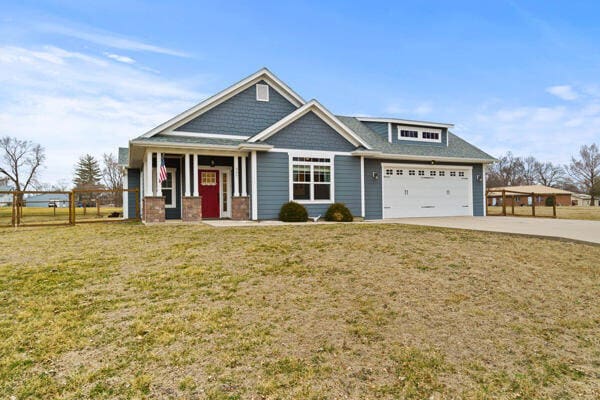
(405, 122)
(213, 101)
(320, 111)
(457, 148)
(537, 189)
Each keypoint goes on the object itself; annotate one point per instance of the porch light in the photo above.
(212, 163)
(375, 175)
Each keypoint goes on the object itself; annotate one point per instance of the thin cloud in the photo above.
(564, 92)
(123, 59)
(109, 40)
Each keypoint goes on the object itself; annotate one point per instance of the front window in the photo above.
(311, 179)
(168, 188)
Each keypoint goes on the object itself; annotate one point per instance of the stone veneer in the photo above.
(191, 209)
(240, 208)
(154, 209)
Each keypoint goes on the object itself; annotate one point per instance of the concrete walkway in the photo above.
(584, 231)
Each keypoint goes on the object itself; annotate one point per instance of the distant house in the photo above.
(5, 198)
(48, 200)
(494, 197)
(583, 200)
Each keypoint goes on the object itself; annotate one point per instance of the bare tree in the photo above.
(529, 175)
(548, 174)
(508, 171)
(20, 161)
(585, 170)
(112, 175)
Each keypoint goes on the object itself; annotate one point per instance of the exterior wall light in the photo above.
(375, 175)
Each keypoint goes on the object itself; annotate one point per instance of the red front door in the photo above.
(209, 190)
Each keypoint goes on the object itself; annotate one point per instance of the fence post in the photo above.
(14, 211)
(513, 204)
(137, 203)
(554, 206)
(74, 209)
(504, 202)
(533, 204)
(486, 203)
(70, 208)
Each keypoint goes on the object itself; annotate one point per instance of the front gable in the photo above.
(310, 132)
(242, 115)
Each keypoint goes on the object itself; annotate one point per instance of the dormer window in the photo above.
(419, 134)
(409, 134)
(431, 135)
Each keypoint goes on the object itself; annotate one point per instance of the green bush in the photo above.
(549, 201)
(293, 212)
(338, 212)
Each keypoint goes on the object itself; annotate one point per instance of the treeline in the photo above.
(581, 174)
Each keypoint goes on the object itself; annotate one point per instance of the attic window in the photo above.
(262, 92)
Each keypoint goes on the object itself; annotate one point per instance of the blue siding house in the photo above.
(256, 145)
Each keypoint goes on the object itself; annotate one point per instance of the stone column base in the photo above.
(240, 208)
(191, 209)
(154, 209)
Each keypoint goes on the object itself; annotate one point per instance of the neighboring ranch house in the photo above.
(494, 197)
(583, 200)
(6, 199)
(249, 149)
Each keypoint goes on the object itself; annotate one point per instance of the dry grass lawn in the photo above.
(308, 312)
(58, 215)
(586, 213)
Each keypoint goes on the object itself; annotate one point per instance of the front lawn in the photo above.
(308, 312)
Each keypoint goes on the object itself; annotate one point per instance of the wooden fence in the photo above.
(511, 195)
(51, 208)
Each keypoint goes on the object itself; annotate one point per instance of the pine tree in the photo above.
(87, 172)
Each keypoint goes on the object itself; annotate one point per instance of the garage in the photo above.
(413, 190)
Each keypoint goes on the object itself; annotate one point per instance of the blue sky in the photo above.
(80, 77)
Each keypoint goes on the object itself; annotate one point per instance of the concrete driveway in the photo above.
(585, 231)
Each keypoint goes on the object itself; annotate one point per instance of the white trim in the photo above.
(158, 184)
(126, 194)
(483, 167)
(254, 188)
(213, 101)
(188, 180)
(437, 166)
(420, 131)
(389, 132)
(406, 122)
(148, 175)
(203, 147)
(402, 157)
(195, 177)
(362, 187)
(173, 189)
(204, 135)
(265, 89)
(331, 166)
(322, 113)
(319, 152)
(236, 176)
(244, 186)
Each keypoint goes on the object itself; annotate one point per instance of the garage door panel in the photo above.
(432, 192)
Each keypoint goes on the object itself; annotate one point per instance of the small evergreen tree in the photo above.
(87, 176)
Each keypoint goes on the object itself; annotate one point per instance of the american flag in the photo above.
(162, 174)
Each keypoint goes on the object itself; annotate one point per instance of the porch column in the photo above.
(236, 177)
(254, 187)
(187, 175)
(244, 191)
(158, 183)
(362, 186)
(195, 175)
(148, 174)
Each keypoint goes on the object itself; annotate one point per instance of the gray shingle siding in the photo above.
(242, 114)
(373, 203)
(310, 132)
(133, 182)
(478, 204)
(273, 183)
(347, 182)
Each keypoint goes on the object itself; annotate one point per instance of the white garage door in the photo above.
(426, 191)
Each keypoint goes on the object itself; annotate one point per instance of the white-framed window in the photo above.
(406, 133)
(312, 179)
(208, 178)
(169, 189)
(419, 133)
(431, 135)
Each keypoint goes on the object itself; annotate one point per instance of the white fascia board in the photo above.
(406, 122)
(380, 155)
(213, 101)
(149, 143)
(204, 135)
(322, 113)
(255, 146)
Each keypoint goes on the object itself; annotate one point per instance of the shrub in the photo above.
(293, 212)
(549, 201)
(338, 212)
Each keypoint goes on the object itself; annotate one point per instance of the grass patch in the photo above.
(312, 312)
(562, 212)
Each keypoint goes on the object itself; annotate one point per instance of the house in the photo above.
(256, 145)
(524, 197)
(6, 199)
(48, 200)
(583, 200)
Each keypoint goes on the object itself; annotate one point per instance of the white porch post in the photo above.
(158, 184)
(236, 176)
(195, 175)
(148, 173)
(254, 188)
(187, 175)
(244, 191)
(362, 186)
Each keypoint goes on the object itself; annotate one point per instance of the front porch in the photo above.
(199, 186)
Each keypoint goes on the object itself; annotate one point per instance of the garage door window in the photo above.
(311, 179)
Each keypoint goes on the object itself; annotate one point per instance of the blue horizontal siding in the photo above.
(133, 182)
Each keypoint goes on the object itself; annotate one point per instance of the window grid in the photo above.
(311, 179)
